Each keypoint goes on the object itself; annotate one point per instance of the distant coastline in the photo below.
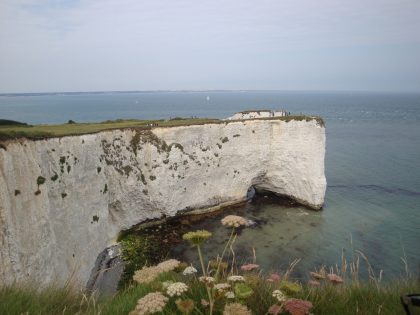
(13, 94)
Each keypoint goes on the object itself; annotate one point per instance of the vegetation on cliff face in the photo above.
(20, 130)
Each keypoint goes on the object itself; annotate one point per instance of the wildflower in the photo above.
(234, 221)
(243, 291)
(197, 237)
(189, 271)
(317, 276)
(150, 304)
(274, 309)
(222, 287)
(314, 283)
(204, 302)
(290, 287)
(280, 296)
(166, 284)
(185, 306)
(230, 295)
(335, 279)
(274, 277)
(297, 307)
(168, 265)
(146, 274)
(236, 309)
(249, 267)
(209, 281)
(176, 289)
(236, 278)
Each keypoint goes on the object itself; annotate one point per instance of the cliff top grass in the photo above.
(14, 130)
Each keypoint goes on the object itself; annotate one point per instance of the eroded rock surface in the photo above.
(63, 200)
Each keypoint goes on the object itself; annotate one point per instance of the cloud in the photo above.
(131, 44)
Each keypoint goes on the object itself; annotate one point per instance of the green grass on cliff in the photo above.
(348, 299)
(14, 130)
(49, 131)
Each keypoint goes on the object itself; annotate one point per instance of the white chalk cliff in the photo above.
(99, 184)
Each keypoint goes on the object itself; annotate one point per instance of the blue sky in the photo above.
(85, 45)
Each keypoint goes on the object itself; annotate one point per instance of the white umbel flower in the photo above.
(222, 287)
(168, 265)
(147, 274)
(150, 304)
(230, 295)
(236, 279)
(189, 271)
(280, 296)
(207, 280)
(176, 289)
(234, 221)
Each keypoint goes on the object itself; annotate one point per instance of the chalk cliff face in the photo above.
(63, 200)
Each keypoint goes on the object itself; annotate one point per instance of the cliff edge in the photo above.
(63, 200)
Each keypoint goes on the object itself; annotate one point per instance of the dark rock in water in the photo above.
(107, 271)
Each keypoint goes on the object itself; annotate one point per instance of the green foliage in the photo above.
(7, 122)
(137, 251)
(290, 288)
(243, 291)
(152, 177)
(55, 177)
(40, 180)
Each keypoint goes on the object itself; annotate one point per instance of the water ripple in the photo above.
(389, 190)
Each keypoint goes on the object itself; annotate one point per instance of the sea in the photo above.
(372, 204)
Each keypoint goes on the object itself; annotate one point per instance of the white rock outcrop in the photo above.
(99, 184)
(253, 114)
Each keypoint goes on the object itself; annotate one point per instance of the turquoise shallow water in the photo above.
(372, 169)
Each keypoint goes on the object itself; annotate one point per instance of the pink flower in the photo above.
(314, 283)
(297, 307)
(274, 277)
(249, 267)
(204, 302)
(274, 309)
(335, 279)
